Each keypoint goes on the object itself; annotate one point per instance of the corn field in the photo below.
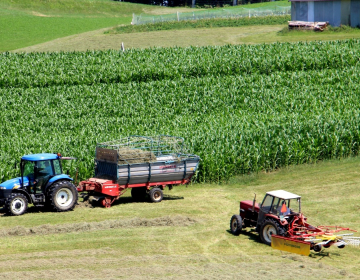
(240, 108)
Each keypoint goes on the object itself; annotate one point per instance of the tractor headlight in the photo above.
(2, 188)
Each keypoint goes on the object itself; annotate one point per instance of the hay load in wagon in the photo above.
(128, 155)
(142, 149)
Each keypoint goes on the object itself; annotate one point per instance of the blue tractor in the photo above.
(42, 183)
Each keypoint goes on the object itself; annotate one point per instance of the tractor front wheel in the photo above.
(16, 204)
(269, 228)
(236, 224)
(62, 196)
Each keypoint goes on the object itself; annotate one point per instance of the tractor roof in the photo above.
(38, 157)
(283, 194)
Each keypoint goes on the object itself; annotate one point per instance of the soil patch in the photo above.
(37, 14)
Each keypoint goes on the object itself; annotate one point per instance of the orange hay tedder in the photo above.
(280, 223)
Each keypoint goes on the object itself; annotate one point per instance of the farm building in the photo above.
(336, 12)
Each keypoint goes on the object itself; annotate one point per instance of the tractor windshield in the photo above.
(280, 206)
(283, 207)
(294, 205)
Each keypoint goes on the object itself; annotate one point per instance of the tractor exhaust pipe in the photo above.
(254, 201)
(76, 176)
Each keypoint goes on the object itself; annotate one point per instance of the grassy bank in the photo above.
(203, 23)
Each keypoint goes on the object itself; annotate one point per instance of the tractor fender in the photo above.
(57, 178)
(24, 192)
(12, 186)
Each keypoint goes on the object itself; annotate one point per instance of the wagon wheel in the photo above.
(156, 195)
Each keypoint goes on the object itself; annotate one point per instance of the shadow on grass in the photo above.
(322, 254)
(252, 235)
(30, 210)
(93, 204)
(125, 200)
(129, 199)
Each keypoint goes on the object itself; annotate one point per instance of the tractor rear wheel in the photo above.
(16, 204)
(62, 196)
(236, 224)
(156, 195)
(269, 228)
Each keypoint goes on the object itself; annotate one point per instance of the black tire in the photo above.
(62, 196)
(138, 194)
(317, 248)
(156, 195)
(268, 228)
(236, 224)
(16, 204)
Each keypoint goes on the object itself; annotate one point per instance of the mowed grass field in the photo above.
(186, 236)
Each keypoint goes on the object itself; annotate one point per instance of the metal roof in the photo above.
(283, 194)
(37, 157)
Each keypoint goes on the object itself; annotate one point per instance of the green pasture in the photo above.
(26, 23)
(187, 234)
(66, 8)
(18, 35)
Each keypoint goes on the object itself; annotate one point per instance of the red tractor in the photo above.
(278, 218)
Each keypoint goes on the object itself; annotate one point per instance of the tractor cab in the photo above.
(279, 205)
(41, 183)
(37, 170)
